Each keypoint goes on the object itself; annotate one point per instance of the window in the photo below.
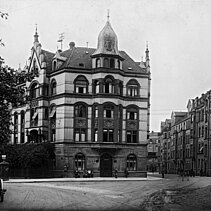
(96, 135)
(108, 112)
(80, 111)
(105, 63)
(98, 63)
(109, 87)
(108, 135)
(22, 126)
(132, 115)
(131, 162)
(80, 134)
(96, 87)
(15, 128)
(34, 117)
(80, 162)
(34, 91)
(52, 116)
(81, 85)
(133, 88)
(118, 63)
(54, 65)
(112, 64)
(96, 111)
(53, 87)
(131, 136)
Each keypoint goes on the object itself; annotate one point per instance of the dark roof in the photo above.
(80, 57)
(48, 56)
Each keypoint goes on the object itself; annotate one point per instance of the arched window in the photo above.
(80, 111)
(54, 65)
(119, 89)
(132, 114)
(79, 162)
(52, 117)
(108, 112)
(105, 63)
(131, 162)
(34, 90)
(81, 85)
(133, 88)
(109, 87)
(53, 87)
(118, 64)
(98, 63)
(112, 64)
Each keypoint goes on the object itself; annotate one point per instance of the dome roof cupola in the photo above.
(107, 41)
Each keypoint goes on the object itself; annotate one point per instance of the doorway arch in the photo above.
(106, 165)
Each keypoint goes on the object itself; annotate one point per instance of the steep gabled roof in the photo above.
(48, 57)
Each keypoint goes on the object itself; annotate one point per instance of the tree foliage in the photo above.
(4, 16)
(29, 155)
(11, 94)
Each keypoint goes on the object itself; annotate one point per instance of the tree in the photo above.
(4, 16)
(10, 94)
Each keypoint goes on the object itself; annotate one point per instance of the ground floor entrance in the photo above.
(106, 165)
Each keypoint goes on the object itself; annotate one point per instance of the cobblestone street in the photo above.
(130, 194)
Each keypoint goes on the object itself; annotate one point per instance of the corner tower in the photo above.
(107, 54)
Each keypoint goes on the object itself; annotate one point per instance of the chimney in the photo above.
(72, 45)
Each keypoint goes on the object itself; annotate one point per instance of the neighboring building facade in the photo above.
(152, 149)
(190, 148)
(92, 104)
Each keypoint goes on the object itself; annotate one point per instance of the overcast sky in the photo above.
(178, 32)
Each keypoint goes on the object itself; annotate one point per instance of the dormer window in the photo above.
(54, 65)
(81, 85)
(133, 88)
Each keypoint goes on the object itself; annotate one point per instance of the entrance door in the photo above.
(106, 165)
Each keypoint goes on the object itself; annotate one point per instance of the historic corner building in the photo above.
(92, 104)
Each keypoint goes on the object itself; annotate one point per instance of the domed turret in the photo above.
(107, 41)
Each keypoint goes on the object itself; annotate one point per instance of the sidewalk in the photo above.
(94, 179)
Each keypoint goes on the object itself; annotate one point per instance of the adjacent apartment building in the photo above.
(92, 104)
(185, 138)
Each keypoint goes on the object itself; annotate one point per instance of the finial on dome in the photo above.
(108, 16)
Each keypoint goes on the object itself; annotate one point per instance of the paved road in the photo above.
(95, 195)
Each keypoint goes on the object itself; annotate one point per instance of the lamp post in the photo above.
(4, 168)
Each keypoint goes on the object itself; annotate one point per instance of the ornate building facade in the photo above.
(92, 104)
